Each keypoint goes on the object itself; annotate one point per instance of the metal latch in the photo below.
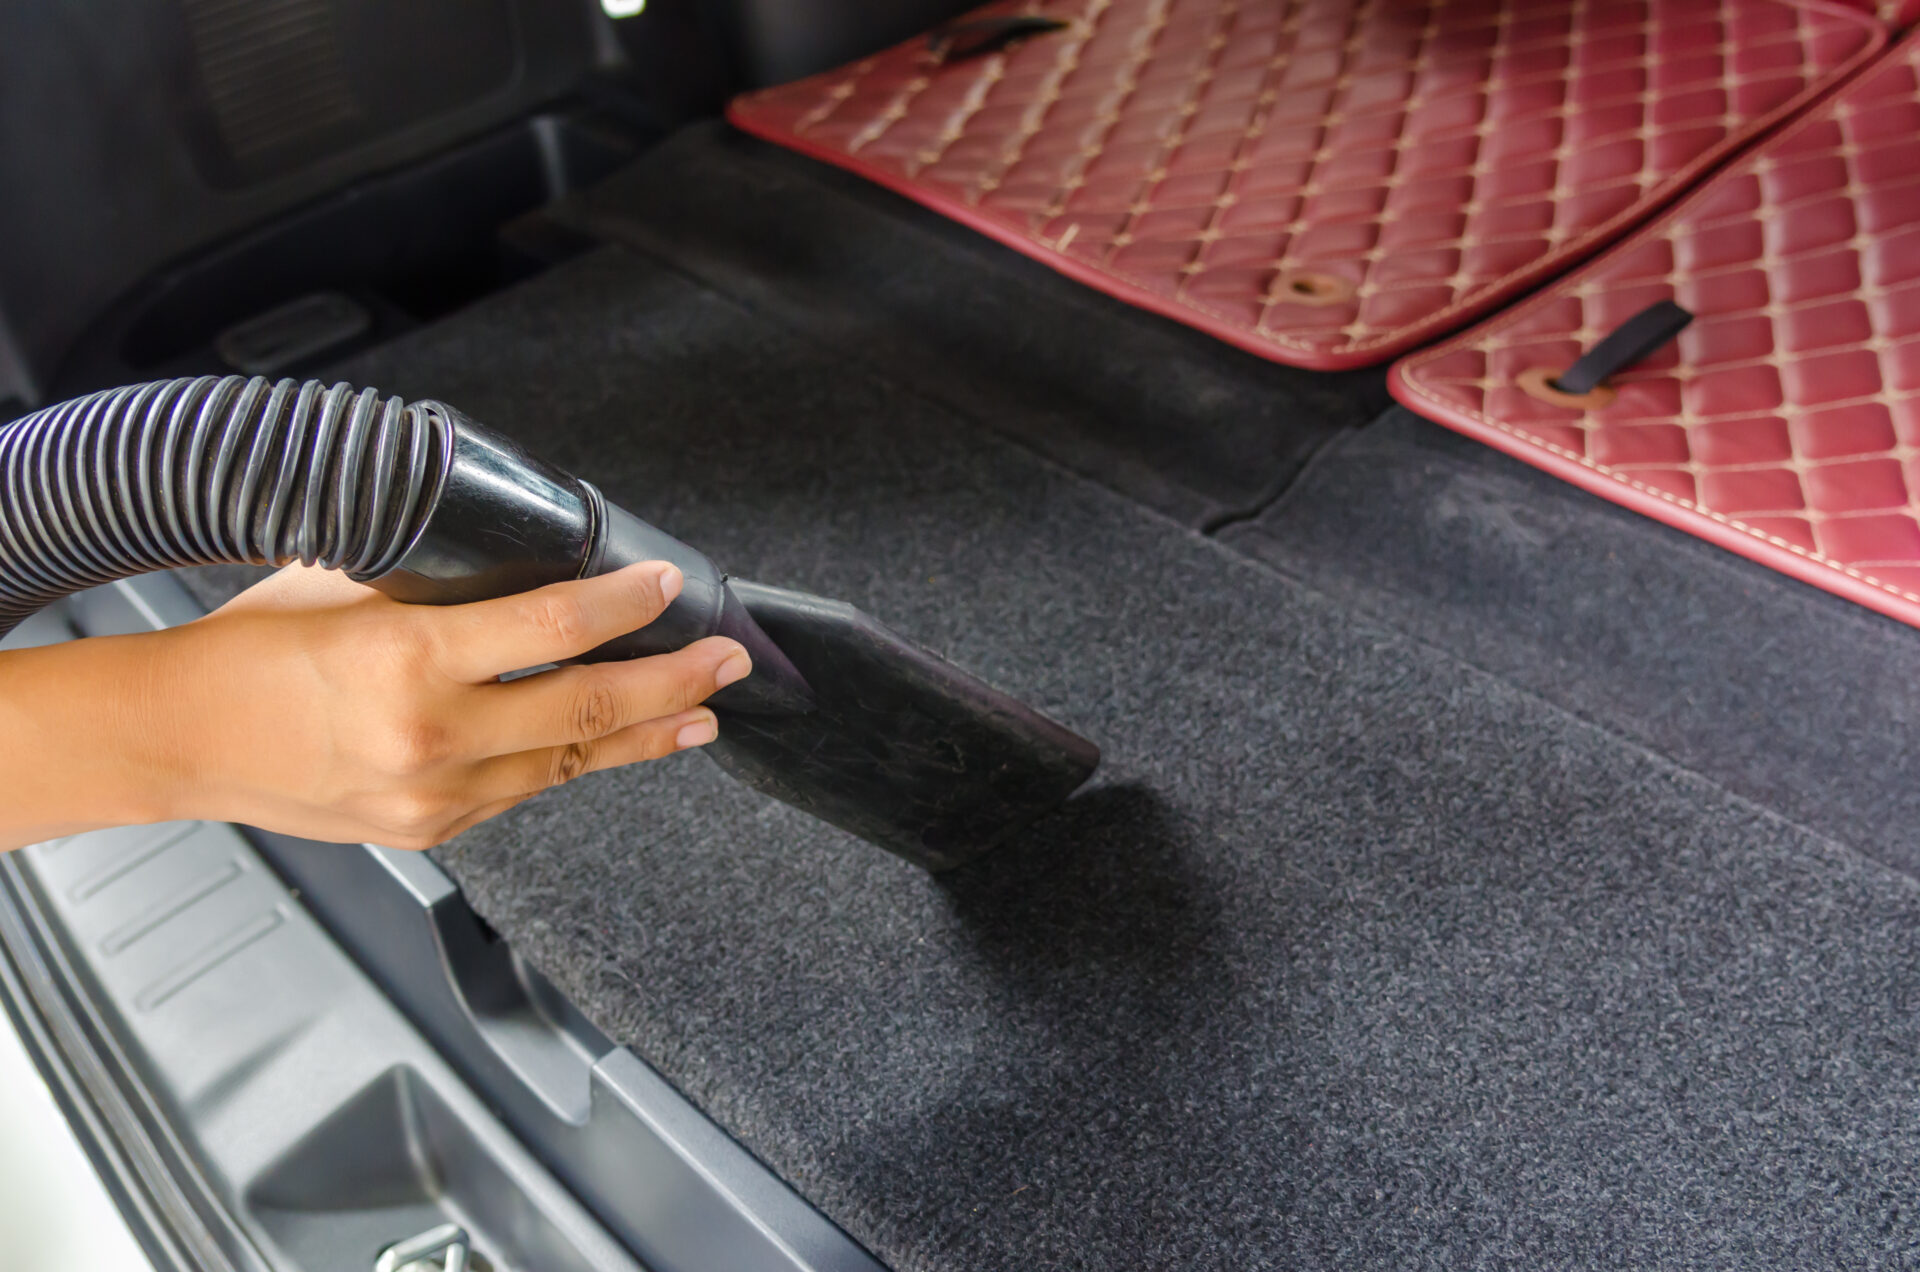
(442, 1249)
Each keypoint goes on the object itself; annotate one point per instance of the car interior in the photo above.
(1458, 461)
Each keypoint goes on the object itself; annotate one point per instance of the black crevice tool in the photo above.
(842, 717)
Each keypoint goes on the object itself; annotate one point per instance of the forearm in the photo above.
(83, 738)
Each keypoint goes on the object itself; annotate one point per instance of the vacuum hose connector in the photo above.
(412, 498)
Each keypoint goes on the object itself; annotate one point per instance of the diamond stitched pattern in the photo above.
(1325, 182)
(1785, 422)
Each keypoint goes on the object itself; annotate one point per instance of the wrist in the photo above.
(92, 737)
(146, 697)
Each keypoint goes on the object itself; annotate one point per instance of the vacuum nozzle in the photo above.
(841, 718)
(504, 522)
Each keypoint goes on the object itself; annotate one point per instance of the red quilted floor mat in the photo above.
(1324, 182)
(1785, 422)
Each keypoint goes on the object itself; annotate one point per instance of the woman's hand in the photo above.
(318, 707)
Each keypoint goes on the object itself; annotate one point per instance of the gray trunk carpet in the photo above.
(1785, 693)
(1152, 408)
(1382, 940)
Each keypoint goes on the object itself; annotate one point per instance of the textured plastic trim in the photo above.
(655, 1170)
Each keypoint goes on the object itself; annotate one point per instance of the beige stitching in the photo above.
(1657, 230)
(1223, 16)
(1065, 86)
(1485, 343)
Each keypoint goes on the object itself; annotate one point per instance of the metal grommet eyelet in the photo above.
(1307, 288)
(1537, 382)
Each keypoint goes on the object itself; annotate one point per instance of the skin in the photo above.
(316, 706)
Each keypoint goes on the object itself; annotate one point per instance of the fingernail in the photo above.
(698, 732)
(671, 581)
(734, 668)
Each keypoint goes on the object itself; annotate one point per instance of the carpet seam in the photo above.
(1283, 492)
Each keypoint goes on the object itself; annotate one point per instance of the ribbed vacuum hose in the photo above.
(209, 471)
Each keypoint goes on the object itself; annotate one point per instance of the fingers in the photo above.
(515, 777)
(509, 780)
(585, 704)
(551, 624)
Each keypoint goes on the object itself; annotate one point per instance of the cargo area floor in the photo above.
(1464, 887)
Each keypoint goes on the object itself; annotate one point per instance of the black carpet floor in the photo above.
(1385, 939)
(1161, 412)
(1786, 694)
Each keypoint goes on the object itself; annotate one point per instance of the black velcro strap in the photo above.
(1625, 345)
(961, 40)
